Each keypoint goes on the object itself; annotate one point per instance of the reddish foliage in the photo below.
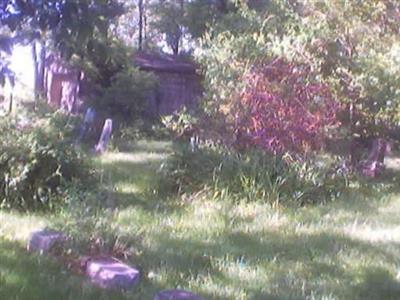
(284, 110)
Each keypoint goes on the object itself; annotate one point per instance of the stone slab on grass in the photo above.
(176, 295)
(44, 240)
(110, 273)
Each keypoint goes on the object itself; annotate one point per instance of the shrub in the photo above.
(360, 66)
(37, 161)
(283, 109)
(181, 123)
(185, 124)
(125, 99)
(253, 176)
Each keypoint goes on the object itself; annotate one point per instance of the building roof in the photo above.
(163, 63)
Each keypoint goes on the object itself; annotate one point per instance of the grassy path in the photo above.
(349, 249)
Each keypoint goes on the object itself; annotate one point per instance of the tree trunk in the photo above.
(175, 47)
(178, 37)
(42, 58)
(10, 104)
(145, 19)
(180, 40)
(35, 73)
(140, 6)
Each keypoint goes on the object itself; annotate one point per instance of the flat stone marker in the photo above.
(42, 241)
(110, 273)
(176, 295)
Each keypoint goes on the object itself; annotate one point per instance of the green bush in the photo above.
(125, 99)
(36, 162)
(180, 123)
(254, 176)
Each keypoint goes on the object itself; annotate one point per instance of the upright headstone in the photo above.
(194, 141)
(373, 166)
(105, 137)
(378, 150)
(176, 295)
(88, 121)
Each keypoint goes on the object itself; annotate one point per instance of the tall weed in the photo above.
(251, 176)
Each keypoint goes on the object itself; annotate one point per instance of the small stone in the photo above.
(110, 273)
(176, 295)
(42, 241)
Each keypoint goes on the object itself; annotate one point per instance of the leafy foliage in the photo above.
(350, 48)
(284, 109)
(6, 45)
(37, 162)
(168, 20)
(72, 25)
(125, 99)
(181, 123)
(169, 24)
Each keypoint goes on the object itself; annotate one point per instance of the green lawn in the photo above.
(349, 249)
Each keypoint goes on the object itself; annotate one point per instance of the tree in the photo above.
(350, 46)
(70, 27)
(141, 17)
(6, 74)
(167, 18)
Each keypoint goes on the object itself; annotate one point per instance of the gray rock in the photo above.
(176, 295)
(110, 273)
(44, 240)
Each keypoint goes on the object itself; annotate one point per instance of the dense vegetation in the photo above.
(252, 176)
(255, 194)
(344, 49)
(39, 161)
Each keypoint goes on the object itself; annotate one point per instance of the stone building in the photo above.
(61, 84)
(179, 82)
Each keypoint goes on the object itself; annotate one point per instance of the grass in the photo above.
(348, 249)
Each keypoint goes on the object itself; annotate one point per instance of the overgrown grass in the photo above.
(254, 176)
(346, 249)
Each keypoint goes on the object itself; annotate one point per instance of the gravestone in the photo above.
(110, 273)
(44, 240)
(176, 295)
(374, 166)
(194, 143)
(105, 137)
(87, 124)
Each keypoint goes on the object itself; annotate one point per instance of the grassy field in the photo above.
(348, 249)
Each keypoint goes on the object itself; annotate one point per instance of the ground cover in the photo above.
(347, 249)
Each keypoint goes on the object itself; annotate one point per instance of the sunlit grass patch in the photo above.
(18, 226)
(28, 276)
(222, 249)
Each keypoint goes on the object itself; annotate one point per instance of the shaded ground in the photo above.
(349, 249)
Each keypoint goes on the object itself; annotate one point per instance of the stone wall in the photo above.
(61, 84)
(175, 91)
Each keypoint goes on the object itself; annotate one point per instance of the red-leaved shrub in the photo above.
(284, 109)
